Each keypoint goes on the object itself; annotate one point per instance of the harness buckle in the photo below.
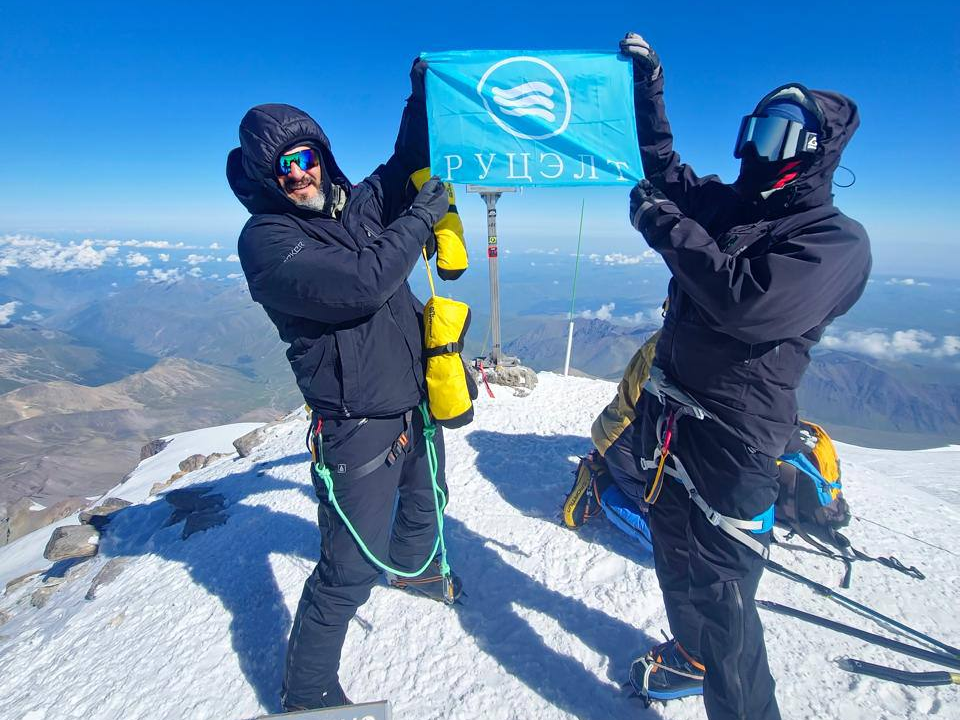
(399, 447)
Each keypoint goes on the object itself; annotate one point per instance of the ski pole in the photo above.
(853, 604)
(904, 677)
(888, 643)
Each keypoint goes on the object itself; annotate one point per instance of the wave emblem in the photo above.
(532, 98)
(527, 97)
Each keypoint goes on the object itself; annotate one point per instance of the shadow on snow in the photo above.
(242, 578)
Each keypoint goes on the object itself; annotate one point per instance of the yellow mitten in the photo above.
(451, 245)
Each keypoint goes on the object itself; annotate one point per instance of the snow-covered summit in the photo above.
(197, 627)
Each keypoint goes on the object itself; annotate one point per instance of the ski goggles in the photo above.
(774, 138)
(305, 159)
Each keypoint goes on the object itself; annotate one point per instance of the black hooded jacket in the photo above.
(756, 280)
(336, 287)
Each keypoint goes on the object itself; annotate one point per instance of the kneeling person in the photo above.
(607, 479)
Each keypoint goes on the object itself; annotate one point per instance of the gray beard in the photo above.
(317, 203)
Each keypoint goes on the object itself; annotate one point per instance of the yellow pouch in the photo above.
(450, 386)
(452, 258)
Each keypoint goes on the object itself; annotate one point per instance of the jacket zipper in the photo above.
(741, 711)
(343, 404)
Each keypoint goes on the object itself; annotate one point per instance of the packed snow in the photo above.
(550, 621)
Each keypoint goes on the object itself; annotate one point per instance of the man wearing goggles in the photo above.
(329, 261)
(759, 268)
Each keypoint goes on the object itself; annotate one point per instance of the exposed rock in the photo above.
(4, 617)
(152, 448)
(41, 596)
(25, 516)
(195, 499)
(246, 444)
(194, 462)
(212, 458)
(100, 515)
(72, 541)
(522, 379)
(200, 521)
(161, 486)
(108, 573)
(19, 582)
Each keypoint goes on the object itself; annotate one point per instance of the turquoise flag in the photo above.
(515, 118)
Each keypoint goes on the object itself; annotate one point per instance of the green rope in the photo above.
(576, 267)
(440, 502)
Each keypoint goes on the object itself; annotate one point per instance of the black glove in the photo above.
(431, 246)
(431, 204)
(646, 62)
(647, 203)
(418, 75)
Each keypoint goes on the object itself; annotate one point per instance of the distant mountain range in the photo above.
(860, 399)
(94, 374)
(60, 440)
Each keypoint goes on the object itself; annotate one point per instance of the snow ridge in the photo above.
(197, 627)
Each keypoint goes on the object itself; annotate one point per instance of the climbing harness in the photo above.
(676, 404)
(399, 446)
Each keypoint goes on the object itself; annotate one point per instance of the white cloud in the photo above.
(647, 256)
(33, 317)
(158, 244)
(604, 313)
(193, 259)
(909, 282)
(234, 276)
(233, 258)
(164, 257)
(41, 254)
(136, 259)
(645, 317)
(215, 246)
(896, 345)
(950, 346)
(174, 275)
(195, 272)
(6, 311)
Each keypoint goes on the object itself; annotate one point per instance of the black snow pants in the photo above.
(391, 508)
(708, 579)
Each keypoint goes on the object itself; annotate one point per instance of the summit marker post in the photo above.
(490, 195)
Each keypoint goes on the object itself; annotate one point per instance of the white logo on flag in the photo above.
(533, 102)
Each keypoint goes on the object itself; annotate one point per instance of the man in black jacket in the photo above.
(329, 262)
(760, 268)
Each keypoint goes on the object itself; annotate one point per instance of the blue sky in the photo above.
(115, 118)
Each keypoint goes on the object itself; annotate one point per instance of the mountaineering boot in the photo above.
(589, 481)
(667, 672)
(430, 583)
